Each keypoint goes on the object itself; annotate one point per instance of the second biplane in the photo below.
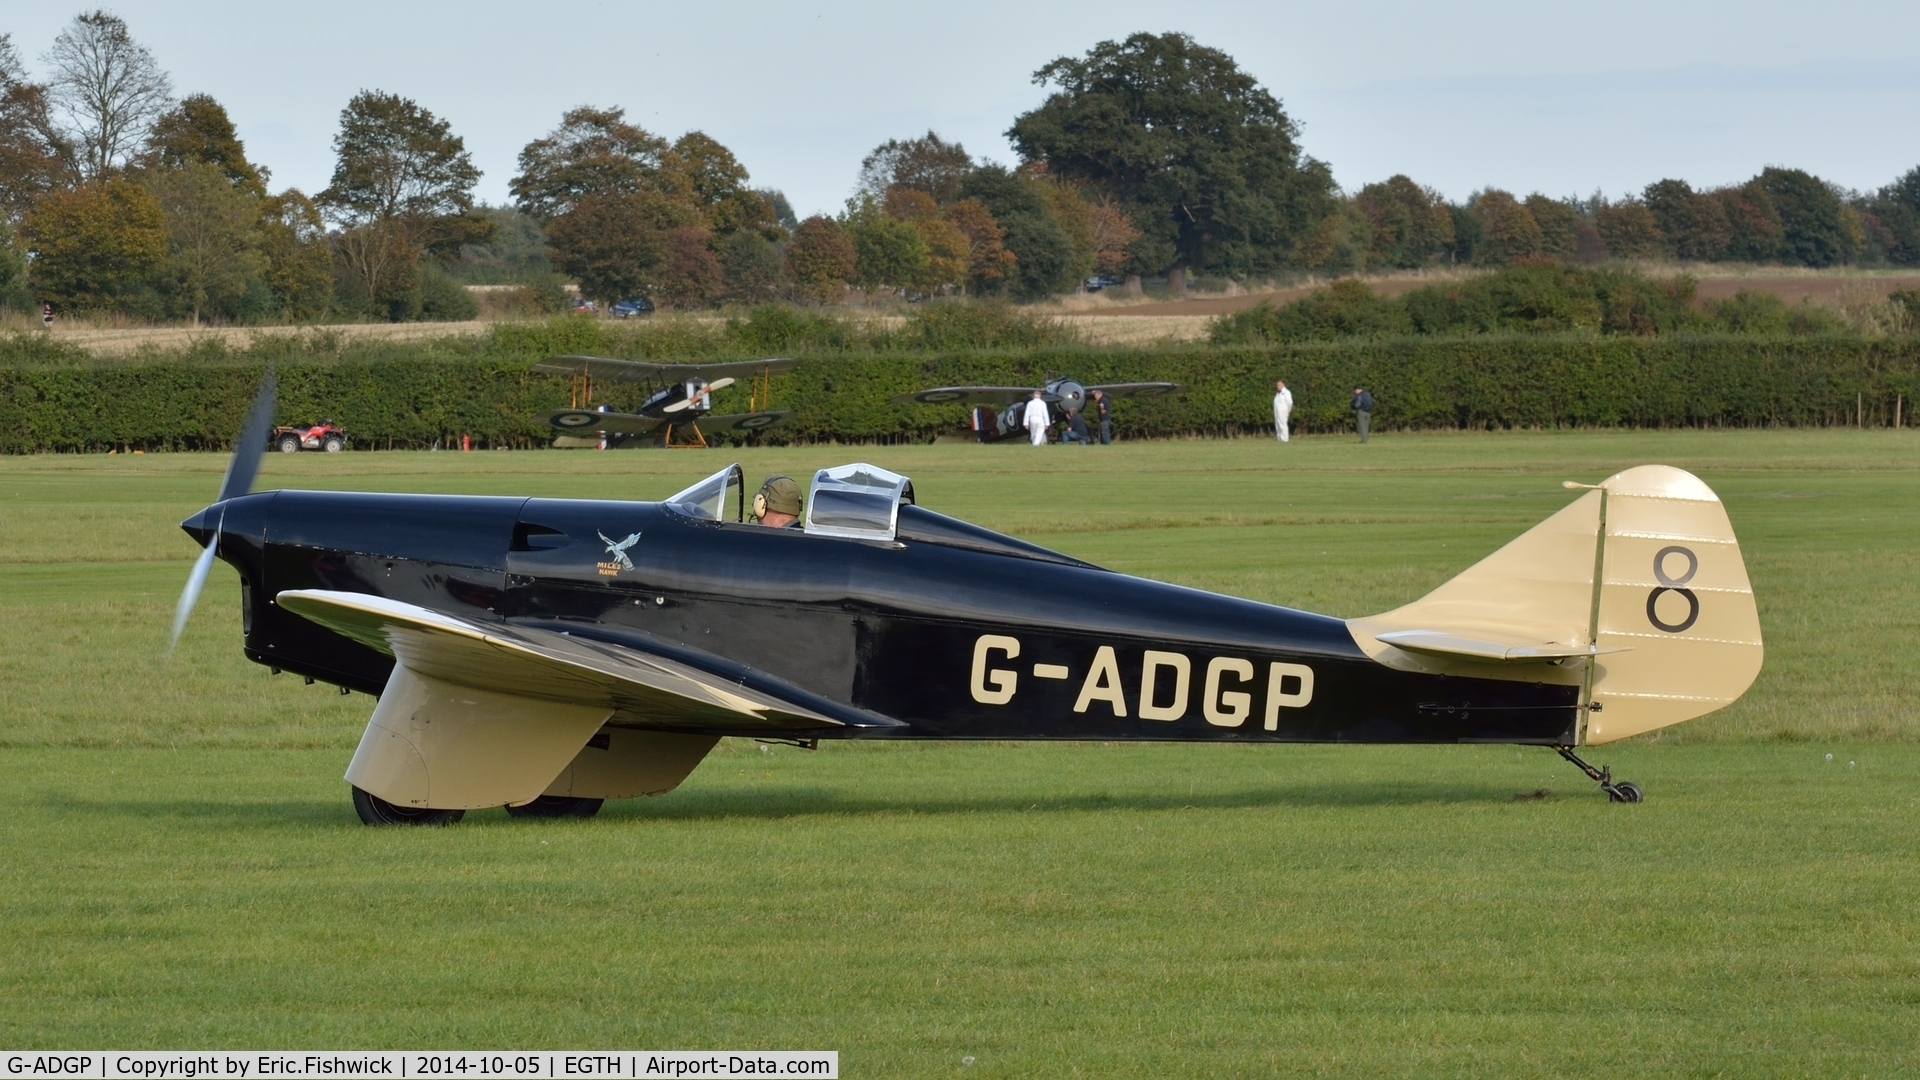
(679, 412)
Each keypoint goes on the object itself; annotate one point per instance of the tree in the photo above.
(1508, 231)
(95, 246)
(929, 164)
(691, 275)
(1753, 221)
(1114, 234)
(198, 130)
(1630, 230)
(592, 152)
(1694, 224)
(621, 245)
(1559, 226)
(211, 242)
(821, 260)
(1204, 157)
(948, 249)
(1812, 232)
(754, 268)
(402, 182)
(1044, 259)
(108, 86)
(298, 265)
(891, 252)
(988, 260)
(703, 172)
(1410, 225)
(35, 157)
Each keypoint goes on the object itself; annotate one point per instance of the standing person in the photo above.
(1036, 419)
(1282, 411)
(46, 315)
(1101, 402)
(1362, 412)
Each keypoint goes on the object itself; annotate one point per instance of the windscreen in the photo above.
(707, 500)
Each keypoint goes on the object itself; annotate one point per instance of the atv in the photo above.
(321, 436)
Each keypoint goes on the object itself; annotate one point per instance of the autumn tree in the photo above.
(891, 254)
(107, 87)
(1813, 230)
(1753, 221)
(1630, 230)
(198, 130)
(35, 157)
(928, 164)
(1509, 232)
(700, 170)
(402, 184)
(96, 245)
(948, 249)
(1695, 224)
(1409, 224)
(754, 268)
(1044, 256)
(1206, 159)
(821, 260)
(988, 259)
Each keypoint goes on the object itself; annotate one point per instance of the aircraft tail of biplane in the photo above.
(1635, 591)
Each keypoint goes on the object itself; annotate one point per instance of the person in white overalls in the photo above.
(1037, 419)
(1282, 410)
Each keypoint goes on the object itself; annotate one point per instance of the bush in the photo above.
(409, 395)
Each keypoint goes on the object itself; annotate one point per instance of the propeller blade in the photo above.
(190, 596)
(252, 445)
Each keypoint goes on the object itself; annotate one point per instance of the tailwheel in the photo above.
(374, 810)
(1626, 791)
(557, 806)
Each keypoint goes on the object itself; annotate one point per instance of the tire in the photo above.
(334, 444)
(288, 444)
(557, 806)
(374, 810)
(1626, 792)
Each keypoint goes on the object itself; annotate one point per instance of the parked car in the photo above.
(632, 309)
(1095, 284)
(321, 436)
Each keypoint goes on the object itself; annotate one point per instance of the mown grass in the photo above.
(182, 868)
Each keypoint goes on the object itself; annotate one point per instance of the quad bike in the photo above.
(321, 436)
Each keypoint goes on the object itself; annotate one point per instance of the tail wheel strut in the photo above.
(1623, 792)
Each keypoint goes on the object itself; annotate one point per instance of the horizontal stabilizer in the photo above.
(1439, 643)
(547, 665)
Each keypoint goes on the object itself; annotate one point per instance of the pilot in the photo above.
(777, 503)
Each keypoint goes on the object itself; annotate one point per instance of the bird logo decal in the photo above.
(619, 551)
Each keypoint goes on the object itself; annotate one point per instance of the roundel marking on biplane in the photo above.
(574, 419)
(753, 423)
(939, 397)
(1669, 584)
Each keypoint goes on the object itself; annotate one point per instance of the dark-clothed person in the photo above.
(1077, 430)
(1362, 412)
(1101, 402)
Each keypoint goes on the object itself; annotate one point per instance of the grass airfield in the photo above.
(183, 867)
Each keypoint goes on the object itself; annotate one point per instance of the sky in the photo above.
(1561, 98)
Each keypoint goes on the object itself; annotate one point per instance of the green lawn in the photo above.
(184, 868)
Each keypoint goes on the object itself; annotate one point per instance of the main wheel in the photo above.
(334, 444)
(374, 810)
(289, 444)
(1626, 792)
(550, 806)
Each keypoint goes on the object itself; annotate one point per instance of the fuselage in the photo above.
(953, 630)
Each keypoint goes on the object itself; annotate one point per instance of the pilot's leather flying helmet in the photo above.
(779, 494)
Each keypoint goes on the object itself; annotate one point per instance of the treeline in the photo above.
(416, 395)
(1541, 296)
(1784, 216)
(1151, 157)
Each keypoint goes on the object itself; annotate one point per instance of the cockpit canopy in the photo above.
(707, 500)
(857, 501)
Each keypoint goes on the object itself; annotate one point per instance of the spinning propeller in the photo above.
(240, 473)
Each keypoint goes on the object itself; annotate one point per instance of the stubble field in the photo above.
(182, 867)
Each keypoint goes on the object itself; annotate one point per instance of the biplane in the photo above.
(679, 412)
(548, 654)
(997, 410)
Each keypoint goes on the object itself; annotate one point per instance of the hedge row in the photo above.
(404, 398)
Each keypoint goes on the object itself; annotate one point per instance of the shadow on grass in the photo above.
(770, 805)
